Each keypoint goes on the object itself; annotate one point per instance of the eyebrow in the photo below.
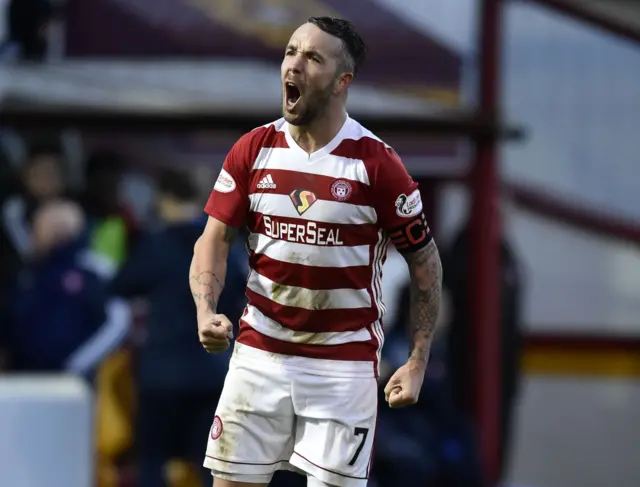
(312, 52)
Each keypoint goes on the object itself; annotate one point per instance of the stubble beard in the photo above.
(315, 106)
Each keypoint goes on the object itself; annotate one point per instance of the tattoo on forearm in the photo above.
(206, 288)
(426, 291)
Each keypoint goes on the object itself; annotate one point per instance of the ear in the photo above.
(342, 83)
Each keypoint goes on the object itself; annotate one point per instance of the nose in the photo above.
(296, 64)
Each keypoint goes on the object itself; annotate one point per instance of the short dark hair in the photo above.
(353, 47)
(177, 184)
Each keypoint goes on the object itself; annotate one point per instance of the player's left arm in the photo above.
(400, 213)
(425, 269)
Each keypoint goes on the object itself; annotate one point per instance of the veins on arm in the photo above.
(425, 269)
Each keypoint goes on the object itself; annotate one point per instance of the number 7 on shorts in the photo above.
(359, 432)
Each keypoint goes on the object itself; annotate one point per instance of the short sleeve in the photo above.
(398, 203)
(228, 201)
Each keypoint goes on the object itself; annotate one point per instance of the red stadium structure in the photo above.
(483, 125)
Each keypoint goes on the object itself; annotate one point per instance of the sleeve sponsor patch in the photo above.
(225, 183)
(409, 206)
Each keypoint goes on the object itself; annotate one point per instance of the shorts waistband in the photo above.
(314, 366)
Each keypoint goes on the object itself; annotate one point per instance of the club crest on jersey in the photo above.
(408, 206)
(216, 428)
(341, 189)
(302, 200)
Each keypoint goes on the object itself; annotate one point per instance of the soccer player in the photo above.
(321, 197)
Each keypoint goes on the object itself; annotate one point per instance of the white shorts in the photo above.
(272, 417)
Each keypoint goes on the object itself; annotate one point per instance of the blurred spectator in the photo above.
(111, 226)
(461, 356)
(430, 443)
(27, 26)
(60, 318)
(40, 179)
(178, 384)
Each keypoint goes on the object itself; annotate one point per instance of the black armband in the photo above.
(413, 235)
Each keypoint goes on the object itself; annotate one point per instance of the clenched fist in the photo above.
(215, 332)
(403, 389)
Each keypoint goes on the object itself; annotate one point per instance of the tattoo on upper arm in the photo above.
(426, 291)
(205, 288)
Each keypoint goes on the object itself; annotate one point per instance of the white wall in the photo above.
(46, 432)
(577, 433)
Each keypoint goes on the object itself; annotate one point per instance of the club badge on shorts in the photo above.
(216, 428)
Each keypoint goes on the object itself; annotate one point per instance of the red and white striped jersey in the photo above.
(319, 229)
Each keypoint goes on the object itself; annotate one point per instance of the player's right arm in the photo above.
(226, 207)
(206, 279)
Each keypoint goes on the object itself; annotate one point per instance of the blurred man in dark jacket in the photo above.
(178, 383)
(461, 354)
(112, 228)
(60, 318)
(40, 179)
(430, 443)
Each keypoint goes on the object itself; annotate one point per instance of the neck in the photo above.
(320, 132)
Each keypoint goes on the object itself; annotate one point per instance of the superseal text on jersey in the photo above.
(311, 233)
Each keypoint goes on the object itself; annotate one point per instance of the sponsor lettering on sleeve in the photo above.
(409, 206)
(225, 183)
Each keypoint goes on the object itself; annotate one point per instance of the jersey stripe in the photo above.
(311, 299)
(353, 352)
(285, 159)
(316, 321)
(273, 329)
(298, 253)
(301, 275)
(320, 210)
(378, 262)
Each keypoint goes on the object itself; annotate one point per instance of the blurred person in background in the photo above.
(111, 231)
(111, 226)
(178, 384)
(40, 179)
(27, 27)
(431, 444)
(461, 354)
(60, 319)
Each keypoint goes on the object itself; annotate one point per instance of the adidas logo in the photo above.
(266, 183)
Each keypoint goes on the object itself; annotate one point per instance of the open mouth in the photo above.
(292, 94)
